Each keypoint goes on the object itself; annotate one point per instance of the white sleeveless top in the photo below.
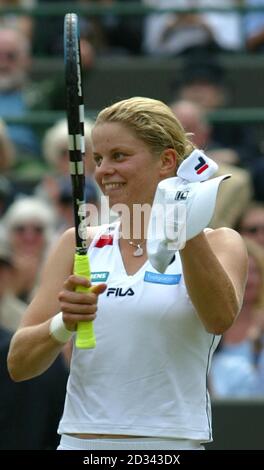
(147, 375)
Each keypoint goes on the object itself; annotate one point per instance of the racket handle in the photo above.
(85, 338)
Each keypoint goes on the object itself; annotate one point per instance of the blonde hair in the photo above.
(152, 121)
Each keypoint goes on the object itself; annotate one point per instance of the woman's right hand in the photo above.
(78, 306)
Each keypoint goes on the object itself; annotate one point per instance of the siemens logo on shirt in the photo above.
(99, 276)
(119, 292)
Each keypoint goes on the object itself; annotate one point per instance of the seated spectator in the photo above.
(49, 92)
(30, 410)
(14, 67)
(48, 32)
(111, 33)
(55, 148)
(228, 207)
(171, 33)
(236, 370)
(124, 33)
(11, 308)
(251, 222)
(23, 23)
(203, 81)
(29, 227)
(63, 202)
(55, 187)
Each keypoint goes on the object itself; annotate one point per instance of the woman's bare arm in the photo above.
(215, 273)
(32, 348)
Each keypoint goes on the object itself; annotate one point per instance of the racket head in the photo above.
(75, 119)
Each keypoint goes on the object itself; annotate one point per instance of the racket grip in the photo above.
(85, 338)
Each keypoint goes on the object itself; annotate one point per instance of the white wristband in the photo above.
(58, 329)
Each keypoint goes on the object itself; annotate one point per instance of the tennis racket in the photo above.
(85, 337)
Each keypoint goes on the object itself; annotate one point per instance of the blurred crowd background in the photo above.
(208, 66)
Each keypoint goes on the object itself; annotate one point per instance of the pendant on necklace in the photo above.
(138, 251)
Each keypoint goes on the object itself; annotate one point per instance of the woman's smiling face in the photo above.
(126, 169)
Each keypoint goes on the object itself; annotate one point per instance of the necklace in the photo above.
(139, 250)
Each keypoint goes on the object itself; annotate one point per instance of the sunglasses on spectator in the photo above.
(38, 229)
(253, 229)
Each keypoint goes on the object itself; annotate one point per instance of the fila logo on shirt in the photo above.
(181, 195)
(202, 166)
(119, 291)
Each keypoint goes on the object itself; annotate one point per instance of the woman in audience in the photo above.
(238, 368)
(29, 227)
(251, 223)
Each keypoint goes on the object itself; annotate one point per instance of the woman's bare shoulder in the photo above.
(68, 236)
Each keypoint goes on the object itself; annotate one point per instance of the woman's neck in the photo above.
(134, 229)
